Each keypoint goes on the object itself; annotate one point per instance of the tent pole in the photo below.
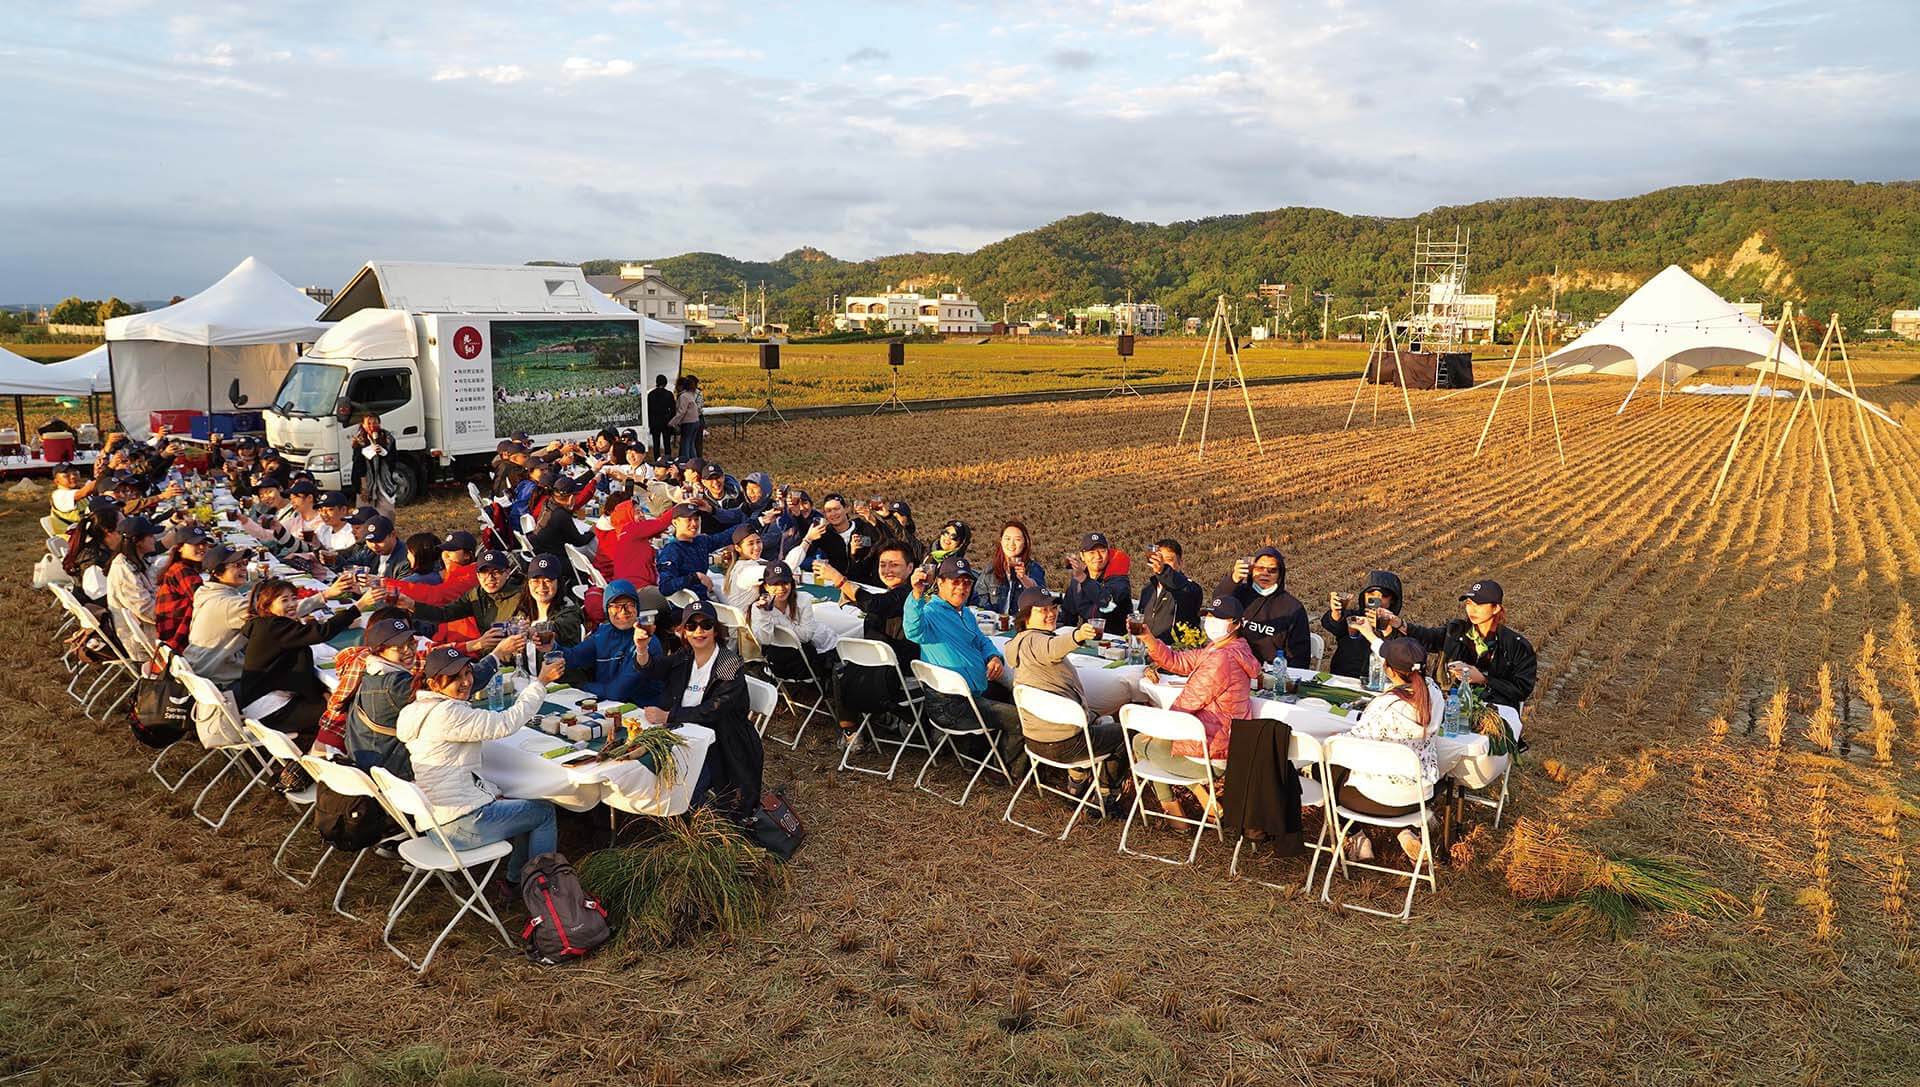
(1401, 375)
(1508, 376)
(1553, 412)
(20, 415)
(1380, 372)
(1773, 352)
(1213, 368)
(1246, 396)
(1194, 392)
(1802, 399)
(1813, 412)
(1636, 388)
(1359, 387)
(1859, 413)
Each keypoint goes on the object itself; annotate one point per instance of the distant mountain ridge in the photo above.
(1827, 245)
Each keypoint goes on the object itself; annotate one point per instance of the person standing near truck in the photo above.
(370, 443)
(661, 409)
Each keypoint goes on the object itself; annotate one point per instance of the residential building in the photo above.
(1906, 323)
(640, 288)
(909, 311)
(1139, 318)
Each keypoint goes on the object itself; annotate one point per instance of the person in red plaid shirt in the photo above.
(173, 600)
(349, 668)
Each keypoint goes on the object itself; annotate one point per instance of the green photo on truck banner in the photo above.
(557, 377)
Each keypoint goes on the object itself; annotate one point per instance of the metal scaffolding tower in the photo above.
(1438, 309)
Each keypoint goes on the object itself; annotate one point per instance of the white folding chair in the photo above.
(349, 781)
(583, 565)
(1067, 713)
(1318, 646)
(948, 682)
(280, 749)
(52, 528)
(480, 502)
(1309, 757)
(1171, 726)
(763, 699)
(233, 742)
(118, 672)
(869, 653)
(739, 632)
(683, 598)
(431, 857)
(1377, 757)
(782, 638)
(1475, 775)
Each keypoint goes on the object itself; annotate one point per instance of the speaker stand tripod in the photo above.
(767, 405)
(1125, 388)
(893, 401)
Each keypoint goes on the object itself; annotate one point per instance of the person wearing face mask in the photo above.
(130, 586)
(278, 686)
(1275, 624)
(1096, 591)
(615, 654)
(1480, 649)
(1218, 689)
(444, 733)
(1352, 650)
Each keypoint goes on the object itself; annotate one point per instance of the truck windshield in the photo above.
(310, 388)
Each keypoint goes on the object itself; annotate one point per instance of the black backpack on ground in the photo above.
(350, 823)
(565, 924)
(775, 828)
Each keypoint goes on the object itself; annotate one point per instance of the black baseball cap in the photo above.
(270, 482)
(1093, 541)
(778, 573)
(565, 484)
(1225, 607)
(700, 607)
(899, 509)
(713, 471)
(224, 555)
(492, 560)
(334, 500)
(101, 504)
(686, 509)
(1404, 655)
(378, 529)
(363, 516)
(187, 534)
(445, 660)
(387, 632)
(460, 540)
(138, 525)
(957, 567)
(1484, 591)
(547, 566)
(742, 531)
(304, 486)
(1034, 598)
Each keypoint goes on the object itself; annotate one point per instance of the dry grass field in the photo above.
(1738, 688)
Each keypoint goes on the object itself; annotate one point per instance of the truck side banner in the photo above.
(565, 377)
(466, 371)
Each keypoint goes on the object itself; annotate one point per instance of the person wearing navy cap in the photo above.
(1481, 648)
(389, 677)
(554, 525)
(704, 683)
(495, 596)
(682, 561)
(173, 598)
(1218, 690)
(379, 548)
(130, 585)
(457, 573)
(939, 620)
(1094, 590)
(546, 601)
(445, 733)
(334, 533)
(1038, 654)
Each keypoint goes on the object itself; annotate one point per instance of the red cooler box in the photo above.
(178, 421)
(56, 448)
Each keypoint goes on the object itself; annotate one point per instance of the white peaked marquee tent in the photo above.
(80, 375)
(1674, 326)
(247, 327)
(25, 377)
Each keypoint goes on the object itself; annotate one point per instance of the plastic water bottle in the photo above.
(1450, 717)
(1376, 673)
(497, 692)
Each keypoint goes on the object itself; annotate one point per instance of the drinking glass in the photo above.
(1099, 626)
(543, 633)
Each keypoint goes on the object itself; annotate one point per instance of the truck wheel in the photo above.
(402, 478)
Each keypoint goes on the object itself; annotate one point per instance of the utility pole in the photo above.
(1326, 309)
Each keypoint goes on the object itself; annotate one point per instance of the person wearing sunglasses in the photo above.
(705, 683)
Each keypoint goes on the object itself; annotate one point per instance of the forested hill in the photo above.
(1828, 245)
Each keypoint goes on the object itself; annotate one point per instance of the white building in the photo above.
(1139, 318)
(1906, 323)
(640, 288)
(907, 311)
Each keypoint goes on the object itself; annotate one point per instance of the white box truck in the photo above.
(455, 357)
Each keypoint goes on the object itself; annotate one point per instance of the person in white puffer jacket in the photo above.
(443, 733)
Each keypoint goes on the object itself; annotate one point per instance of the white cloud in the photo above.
(585, 68)
(499, 73)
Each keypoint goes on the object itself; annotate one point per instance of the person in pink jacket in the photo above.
(1219, 688)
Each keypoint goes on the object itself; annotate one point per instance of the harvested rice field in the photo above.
(1734, 688)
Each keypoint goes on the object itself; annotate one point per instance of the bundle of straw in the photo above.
(1545, 863)
(701, 875)
(1589, 893)
(658, 743)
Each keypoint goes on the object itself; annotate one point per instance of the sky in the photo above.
(155, 145)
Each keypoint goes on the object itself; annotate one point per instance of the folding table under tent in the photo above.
(1675, 326)
(247, 327)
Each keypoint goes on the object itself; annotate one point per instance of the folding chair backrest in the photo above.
(406, 798)
(277, 743)
(141, 647)
(867, 653)
(1170, 725)
(762, 697)
(683, 598)
(583, 566)
(1318, 646)
(57, 547)
(730, 617)
(1049, 707)
(944, 680)
(783, 637)
(74, 608)
(93, 581)
(473, 492)
(210, 700)
(1304, 750)
(51, 527)
(526, 524)
(1373, 756)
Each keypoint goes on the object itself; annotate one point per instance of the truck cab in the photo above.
(324, 396)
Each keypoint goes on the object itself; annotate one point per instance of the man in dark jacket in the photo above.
(1352, 652)
(1170, 596)
(1093, 593)
(660, 411)
(1274, 624)
(1482, 649)
(554, 526)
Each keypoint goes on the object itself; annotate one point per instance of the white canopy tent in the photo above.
(1675, 326)
(246, 327)
(81, 374)
(25, 377)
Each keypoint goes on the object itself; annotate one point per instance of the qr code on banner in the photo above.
(460, 426)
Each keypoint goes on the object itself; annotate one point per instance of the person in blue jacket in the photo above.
(682, 561)
(608, 651)
(938, 618)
